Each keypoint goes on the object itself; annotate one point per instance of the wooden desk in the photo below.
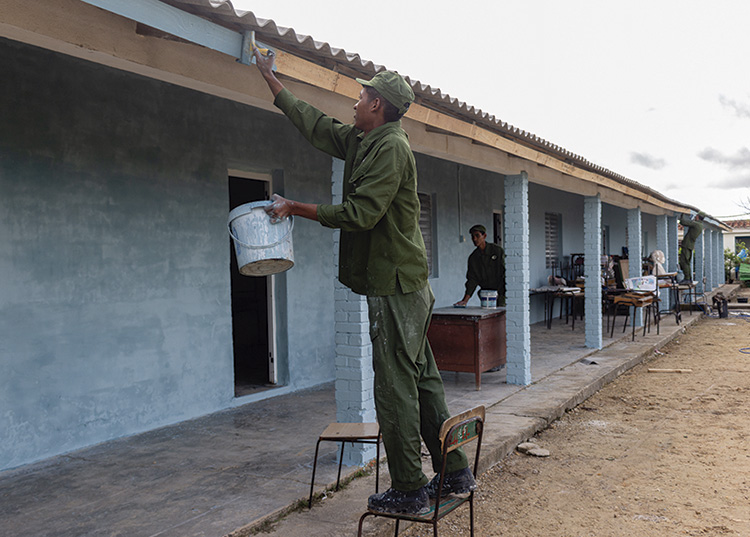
(470, 340)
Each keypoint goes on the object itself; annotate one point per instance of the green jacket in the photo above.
(693, 230)
(381, 243)
(486, 269)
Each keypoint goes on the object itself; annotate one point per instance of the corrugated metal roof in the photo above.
(267, 31)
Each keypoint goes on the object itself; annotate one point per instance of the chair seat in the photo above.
(633, 299)
(447, 505)
(347, 432)
(362, 433)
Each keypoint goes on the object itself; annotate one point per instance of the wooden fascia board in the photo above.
(78, 29)
(328, 80)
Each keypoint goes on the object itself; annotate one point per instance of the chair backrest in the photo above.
(621, 271)
(461, 429)
(642, 283)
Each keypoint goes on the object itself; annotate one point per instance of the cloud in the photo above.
(737, 181)
(740, 160)
(647, 161)
(738, 165)
(740, 109)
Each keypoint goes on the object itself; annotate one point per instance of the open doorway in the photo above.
(252, 305)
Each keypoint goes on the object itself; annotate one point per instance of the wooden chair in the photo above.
(361, 433)
(454, 433)
(642, 293)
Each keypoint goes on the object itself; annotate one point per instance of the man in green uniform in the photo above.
(486, 267)
(692, 230)
(382, 256)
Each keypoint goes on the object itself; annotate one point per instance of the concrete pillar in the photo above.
(699, 255)
(355, 400)
(662, 243)
(635, 238)
(708, 263)
(592, 251)
(722, 279)
(518, 368)
(715, 259)
(673, 242)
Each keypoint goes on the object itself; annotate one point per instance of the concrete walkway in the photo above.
(232, 472)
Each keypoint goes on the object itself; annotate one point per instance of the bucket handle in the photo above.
(260, 246)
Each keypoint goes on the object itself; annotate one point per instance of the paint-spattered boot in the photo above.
(394, 501)
(460, 483)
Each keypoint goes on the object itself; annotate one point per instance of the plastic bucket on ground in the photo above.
(488, 299)
(262, 248)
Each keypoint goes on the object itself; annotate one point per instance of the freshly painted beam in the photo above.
(176, 22)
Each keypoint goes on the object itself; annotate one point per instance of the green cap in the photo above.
(393, 88)
(478, 227)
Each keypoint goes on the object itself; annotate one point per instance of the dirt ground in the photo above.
(651, 454)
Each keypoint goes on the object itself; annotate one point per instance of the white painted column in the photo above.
(672, 241)
(662, 243)
(708, 249)
(518, 333)
(635, 238)
(699, 256)
(592, 251)
(722, 279)
(714, 259)
(355, 399)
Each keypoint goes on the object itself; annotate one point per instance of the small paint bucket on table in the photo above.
(488, 299)
(262, 248)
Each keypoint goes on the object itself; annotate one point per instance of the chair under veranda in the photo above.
(358, 433)
(642, 293)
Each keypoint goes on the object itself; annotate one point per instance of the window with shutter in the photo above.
(425, 225)
(552, 239)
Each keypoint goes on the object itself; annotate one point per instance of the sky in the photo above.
(657, 91)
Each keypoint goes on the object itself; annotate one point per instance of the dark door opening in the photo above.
(249, 306)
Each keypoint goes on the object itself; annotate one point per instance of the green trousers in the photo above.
(409, 394)
(686, 262)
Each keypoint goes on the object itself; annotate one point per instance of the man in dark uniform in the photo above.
(486, 267)
(382, 256)
(692, 230)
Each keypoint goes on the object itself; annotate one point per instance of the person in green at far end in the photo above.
(692, 230)
(382, 256)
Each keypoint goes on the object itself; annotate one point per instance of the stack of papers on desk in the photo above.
(556, 289)
(569, 289)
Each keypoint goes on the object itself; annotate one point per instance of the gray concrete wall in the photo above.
(115, 314)
(543, 200)
(617, 220)
(462, 198)
(648, 231)
(115, 297)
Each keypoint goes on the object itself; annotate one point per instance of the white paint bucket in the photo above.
(262, 248)
(488, 299)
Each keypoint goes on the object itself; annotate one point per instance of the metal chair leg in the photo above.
(377, 463)
(361, 520)
(341, 462)
(471, 515)
(312, 481)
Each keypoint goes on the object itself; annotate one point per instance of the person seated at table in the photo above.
(486, 267)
